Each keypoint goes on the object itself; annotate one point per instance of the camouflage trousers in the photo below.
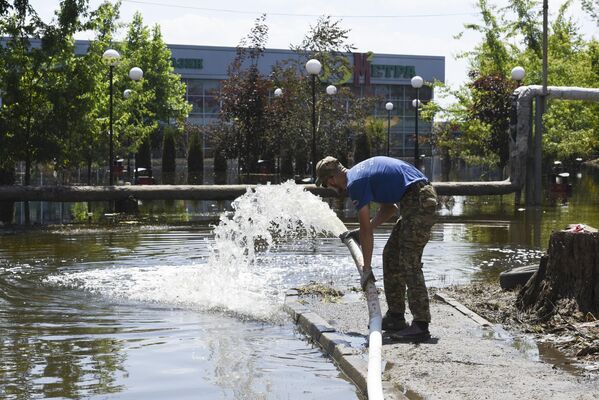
(402, 256)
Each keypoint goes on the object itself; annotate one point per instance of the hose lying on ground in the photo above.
(375, 338)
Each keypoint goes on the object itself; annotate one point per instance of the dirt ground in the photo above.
(463, 360)
(574, 334)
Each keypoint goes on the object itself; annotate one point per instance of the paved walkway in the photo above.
(463, 360)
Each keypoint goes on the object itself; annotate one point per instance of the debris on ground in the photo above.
(573, 333)
(325, 292)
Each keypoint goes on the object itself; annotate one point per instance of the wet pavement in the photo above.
(467, 357)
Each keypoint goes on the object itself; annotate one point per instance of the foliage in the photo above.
(327, 42)
(168, 150)
(195, 154)
(592, 8)
(512, 36)
(376, 129)
(362, 148)
(243, 96)
(491, 108)
(55, 104)
(143, 157)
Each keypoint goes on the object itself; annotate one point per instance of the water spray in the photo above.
(375, 337)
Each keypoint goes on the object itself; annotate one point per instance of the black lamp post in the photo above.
(111, 56)
(313, 67)
(278, 93)
(417, 83)
(389, 108)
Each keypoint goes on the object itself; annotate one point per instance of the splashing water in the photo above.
(240, 275)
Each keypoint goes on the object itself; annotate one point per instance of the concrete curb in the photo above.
(350, 361)
(463, 309)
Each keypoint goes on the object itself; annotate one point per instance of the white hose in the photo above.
(375, 339)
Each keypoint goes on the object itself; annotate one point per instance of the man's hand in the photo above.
(367, 276)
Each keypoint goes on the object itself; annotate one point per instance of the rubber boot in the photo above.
(416, 332)
(394, 322)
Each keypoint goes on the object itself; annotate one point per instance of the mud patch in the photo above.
(572, 333)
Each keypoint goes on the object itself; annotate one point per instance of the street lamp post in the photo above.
(389, 108)
(126, 95)
(111, 56)
(278, 93)
(313, 67)
(331, 91)
(135, 74)
(417, 83)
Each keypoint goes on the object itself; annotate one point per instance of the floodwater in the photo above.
(150, 311)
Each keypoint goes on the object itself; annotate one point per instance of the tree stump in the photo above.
(567, 275)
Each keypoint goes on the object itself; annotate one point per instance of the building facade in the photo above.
(384, 75)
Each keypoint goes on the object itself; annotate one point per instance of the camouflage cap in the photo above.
(327, 167)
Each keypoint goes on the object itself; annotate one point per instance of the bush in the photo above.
(195, 159)
(169, 164)
(220, 161)
(361, 148)
(143, 157)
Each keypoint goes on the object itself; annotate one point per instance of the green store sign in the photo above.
(188, 63)
(392, 71)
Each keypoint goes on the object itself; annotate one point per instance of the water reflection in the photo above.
(58, 342)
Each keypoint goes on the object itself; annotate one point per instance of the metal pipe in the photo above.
(208, 192)
(538, 151)
(375, 337)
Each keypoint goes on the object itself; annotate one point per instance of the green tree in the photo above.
(169, 160)
(244, 97)
(69, 89)
(25, 102)
(362, 148)
(195, 154)
(510, 37)
(104, 23)
(338, 116)
(592, 8)
(376, 129)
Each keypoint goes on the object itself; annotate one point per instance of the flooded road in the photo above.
(132, 312)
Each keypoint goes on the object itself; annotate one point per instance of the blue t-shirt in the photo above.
(380, 179)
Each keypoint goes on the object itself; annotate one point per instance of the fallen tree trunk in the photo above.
(568, 275)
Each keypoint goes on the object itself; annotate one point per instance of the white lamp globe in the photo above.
(313, 67)
(389, 106)
(136, 73)
(417, 82)
(331, 90)
(111, 57)
(127, 93)
(416, 103)
(518, 73)
(278, 92)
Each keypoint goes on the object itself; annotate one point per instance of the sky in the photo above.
(419, 27)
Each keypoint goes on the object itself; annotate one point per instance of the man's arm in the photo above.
(386, 211)
(367, 226)
(366, 236)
